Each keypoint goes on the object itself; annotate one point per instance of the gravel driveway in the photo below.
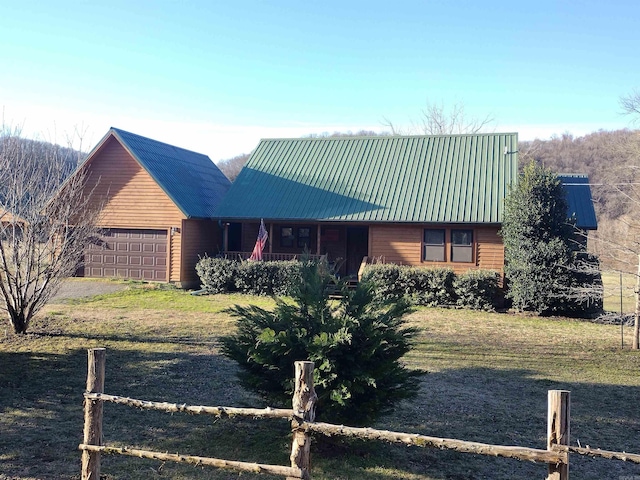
(82, 287)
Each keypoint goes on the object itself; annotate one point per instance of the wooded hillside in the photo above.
(612, 161)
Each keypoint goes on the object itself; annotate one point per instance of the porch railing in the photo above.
(270, 257)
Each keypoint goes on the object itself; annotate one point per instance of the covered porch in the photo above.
(343, 245)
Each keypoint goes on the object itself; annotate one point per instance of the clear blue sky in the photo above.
(215, 76)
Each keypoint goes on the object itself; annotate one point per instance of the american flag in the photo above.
(260, 243)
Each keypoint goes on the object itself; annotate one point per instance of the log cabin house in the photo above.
(432, 201)
(157, 205)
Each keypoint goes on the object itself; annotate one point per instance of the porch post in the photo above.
(318, 242)
(271, 238)
(225, 237)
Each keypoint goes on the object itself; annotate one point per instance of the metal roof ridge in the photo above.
(118, 130)
(383, 137)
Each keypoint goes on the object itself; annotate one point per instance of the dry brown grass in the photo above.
(488, 378)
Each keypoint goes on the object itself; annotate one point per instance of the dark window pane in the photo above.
(434, 253)
(286, 237)
(434, 237)
(461, 254)
(462, 237)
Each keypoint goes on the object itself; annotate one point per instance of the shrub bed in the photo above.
(221, 275)
(476, 289)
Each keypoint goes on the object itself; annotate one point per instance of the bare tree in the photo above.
(621, 243)
(46, 221)
(631, 104)
(436, 119)
(232, 166)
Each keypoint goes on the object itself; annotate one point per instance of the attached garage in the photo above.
(128, 253)
(156, 206)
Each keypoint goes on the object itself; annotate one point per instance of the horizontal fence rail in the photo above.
(519, 453)
(599, 453)
(302, 417)
(195, 410)
(194, 460)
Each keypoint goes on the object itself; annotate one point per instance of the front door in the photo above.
(357, 248)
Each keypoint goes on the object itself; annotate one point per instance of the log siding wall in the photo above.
(402, 244)
(199, 237)
(131, 198)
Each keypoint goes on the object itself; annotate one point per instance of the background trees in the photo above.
(436, 119)
(232, 166)
(43, 229)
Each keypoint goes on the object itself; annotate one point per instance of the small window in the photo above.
(433, 246)
(303, 237)
(286, 237)
(462, 246)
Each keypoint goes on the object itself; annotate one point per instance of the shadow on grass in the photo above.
(132, 338)
(509, 407)
(41, 421)
(41, 412)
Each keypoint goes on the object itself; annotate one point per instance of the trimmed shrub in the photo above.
(385, 278)
(356, 347)
(285, 276)
(217, 274)
(476, 289)
(254, 278)
(428, 286)
(423, 286)
(267, 278)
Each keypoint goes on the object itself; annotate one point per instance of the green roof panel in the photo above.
(426, 179)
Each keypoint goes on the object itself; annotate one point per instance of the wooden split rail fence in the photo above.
(302, 417)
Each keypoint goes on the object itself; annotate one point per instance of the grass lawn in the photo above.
(488, 379)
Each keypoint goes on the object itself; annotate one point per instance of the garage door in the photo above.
(128, 253)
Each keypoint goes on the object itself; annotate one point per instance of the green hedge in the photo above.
(217, 275)
(386, 278)
(476, 289)
(428, 286)
(267, 278)
(221, 275)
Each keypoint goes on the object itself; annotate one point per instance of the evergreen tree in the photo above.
(356, 344)
(539, 251)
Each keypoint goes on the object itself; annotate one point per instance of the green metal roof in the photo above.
(578, 193)
(192, 181)
(426, 179)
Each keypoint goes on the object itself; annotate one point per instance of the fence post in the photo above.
(558, 429)
(93, 413)
(304, 410)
